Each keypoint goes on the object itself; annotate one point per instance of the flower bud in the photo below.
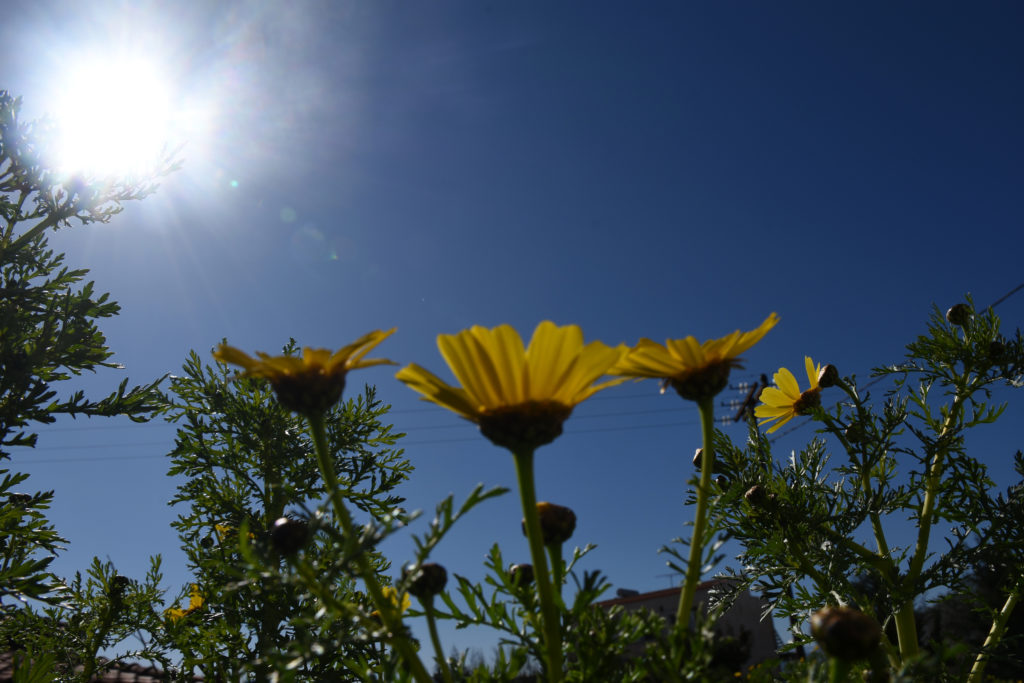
(118, 585)
(959, 314)
(828, 376)
(996, 349)
(698, 458)
(429, 580)
(854, 432)
(19, 499)
(756, 496)
(521, 574)
(289, 535)
(722, 481)
(557, 523)
(845, 633)
(206, 541)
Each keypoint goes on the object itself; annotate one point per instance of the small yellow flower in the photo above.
(195, 602)
(401, 603)
(519, 396)
(224, 531)
(786, 402)
(696, 370)
(313, 383)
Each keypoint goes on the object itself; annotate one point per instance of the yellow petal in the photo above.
(774, 397)
(593, 362)
(550, 358)
(778, 424)
(648, 359)
(229, 354)
(812, 372)
(748, 339)
(471, 367)
(353, 354)
(196, 599)
(769, 410)
(437, 391)
(509, 360)
(687, 350)
(786, 382)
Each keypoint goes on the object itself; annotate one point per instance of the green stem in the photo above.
(552, 622)
(557, 568)
(865, 475)
(696, 559)
(995, 634)
(39, 228)
(273, 508)
(442, 663)
(389, 614)
(906, 626)
(840, 671)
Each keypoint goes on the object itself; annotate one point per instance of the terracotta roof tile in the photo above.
(118, 673)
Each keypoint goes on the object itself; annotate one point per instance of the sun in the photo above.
(113, 116)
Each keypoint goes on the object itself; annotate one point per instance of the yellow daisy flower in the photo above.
(786, 401)
(313, 383)
(194, 603)
(696, 370)
(519, 396)
(401, 603)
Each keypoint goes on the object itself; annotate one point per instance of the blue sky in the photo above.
(651, 170)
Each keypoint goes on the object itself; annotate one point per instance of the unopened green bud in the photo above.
(854, 433)
(722, 481)
(521, 574)
(289, 535)
(959, 314)
(828, 376)
(429, 580)
(756, 496)
(557, 523)
(996, 349)
(698, 458)
(845, 633)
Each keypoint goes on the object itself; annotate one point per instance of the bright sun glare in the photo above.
(113, 118)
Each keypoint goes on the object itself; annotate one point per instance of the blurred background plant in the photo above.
(255, 530)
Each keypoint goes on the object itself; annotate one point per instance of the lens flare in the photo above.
(113, 117)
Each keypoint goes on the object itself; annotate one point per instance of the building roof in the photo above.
(654, 595)
(118, 673)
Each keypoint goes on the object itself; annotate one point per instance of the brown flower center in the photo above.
(311, 391)
(808, 400)
(703, 383)
(526, 426)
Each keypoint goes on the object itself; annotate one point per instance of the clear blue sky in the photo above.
(657, 169)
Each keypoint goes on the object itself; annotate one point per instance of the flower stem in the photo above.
(552, 622)
(906, 626)
(839, 671)
(995, 634)
(389, 614)
(693, 565)
(435, 640)
(557, 568)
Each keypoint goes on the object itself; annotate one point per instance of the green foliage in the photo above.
(244, 462)
(816, 533)
(48, 334)
(100, 611)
